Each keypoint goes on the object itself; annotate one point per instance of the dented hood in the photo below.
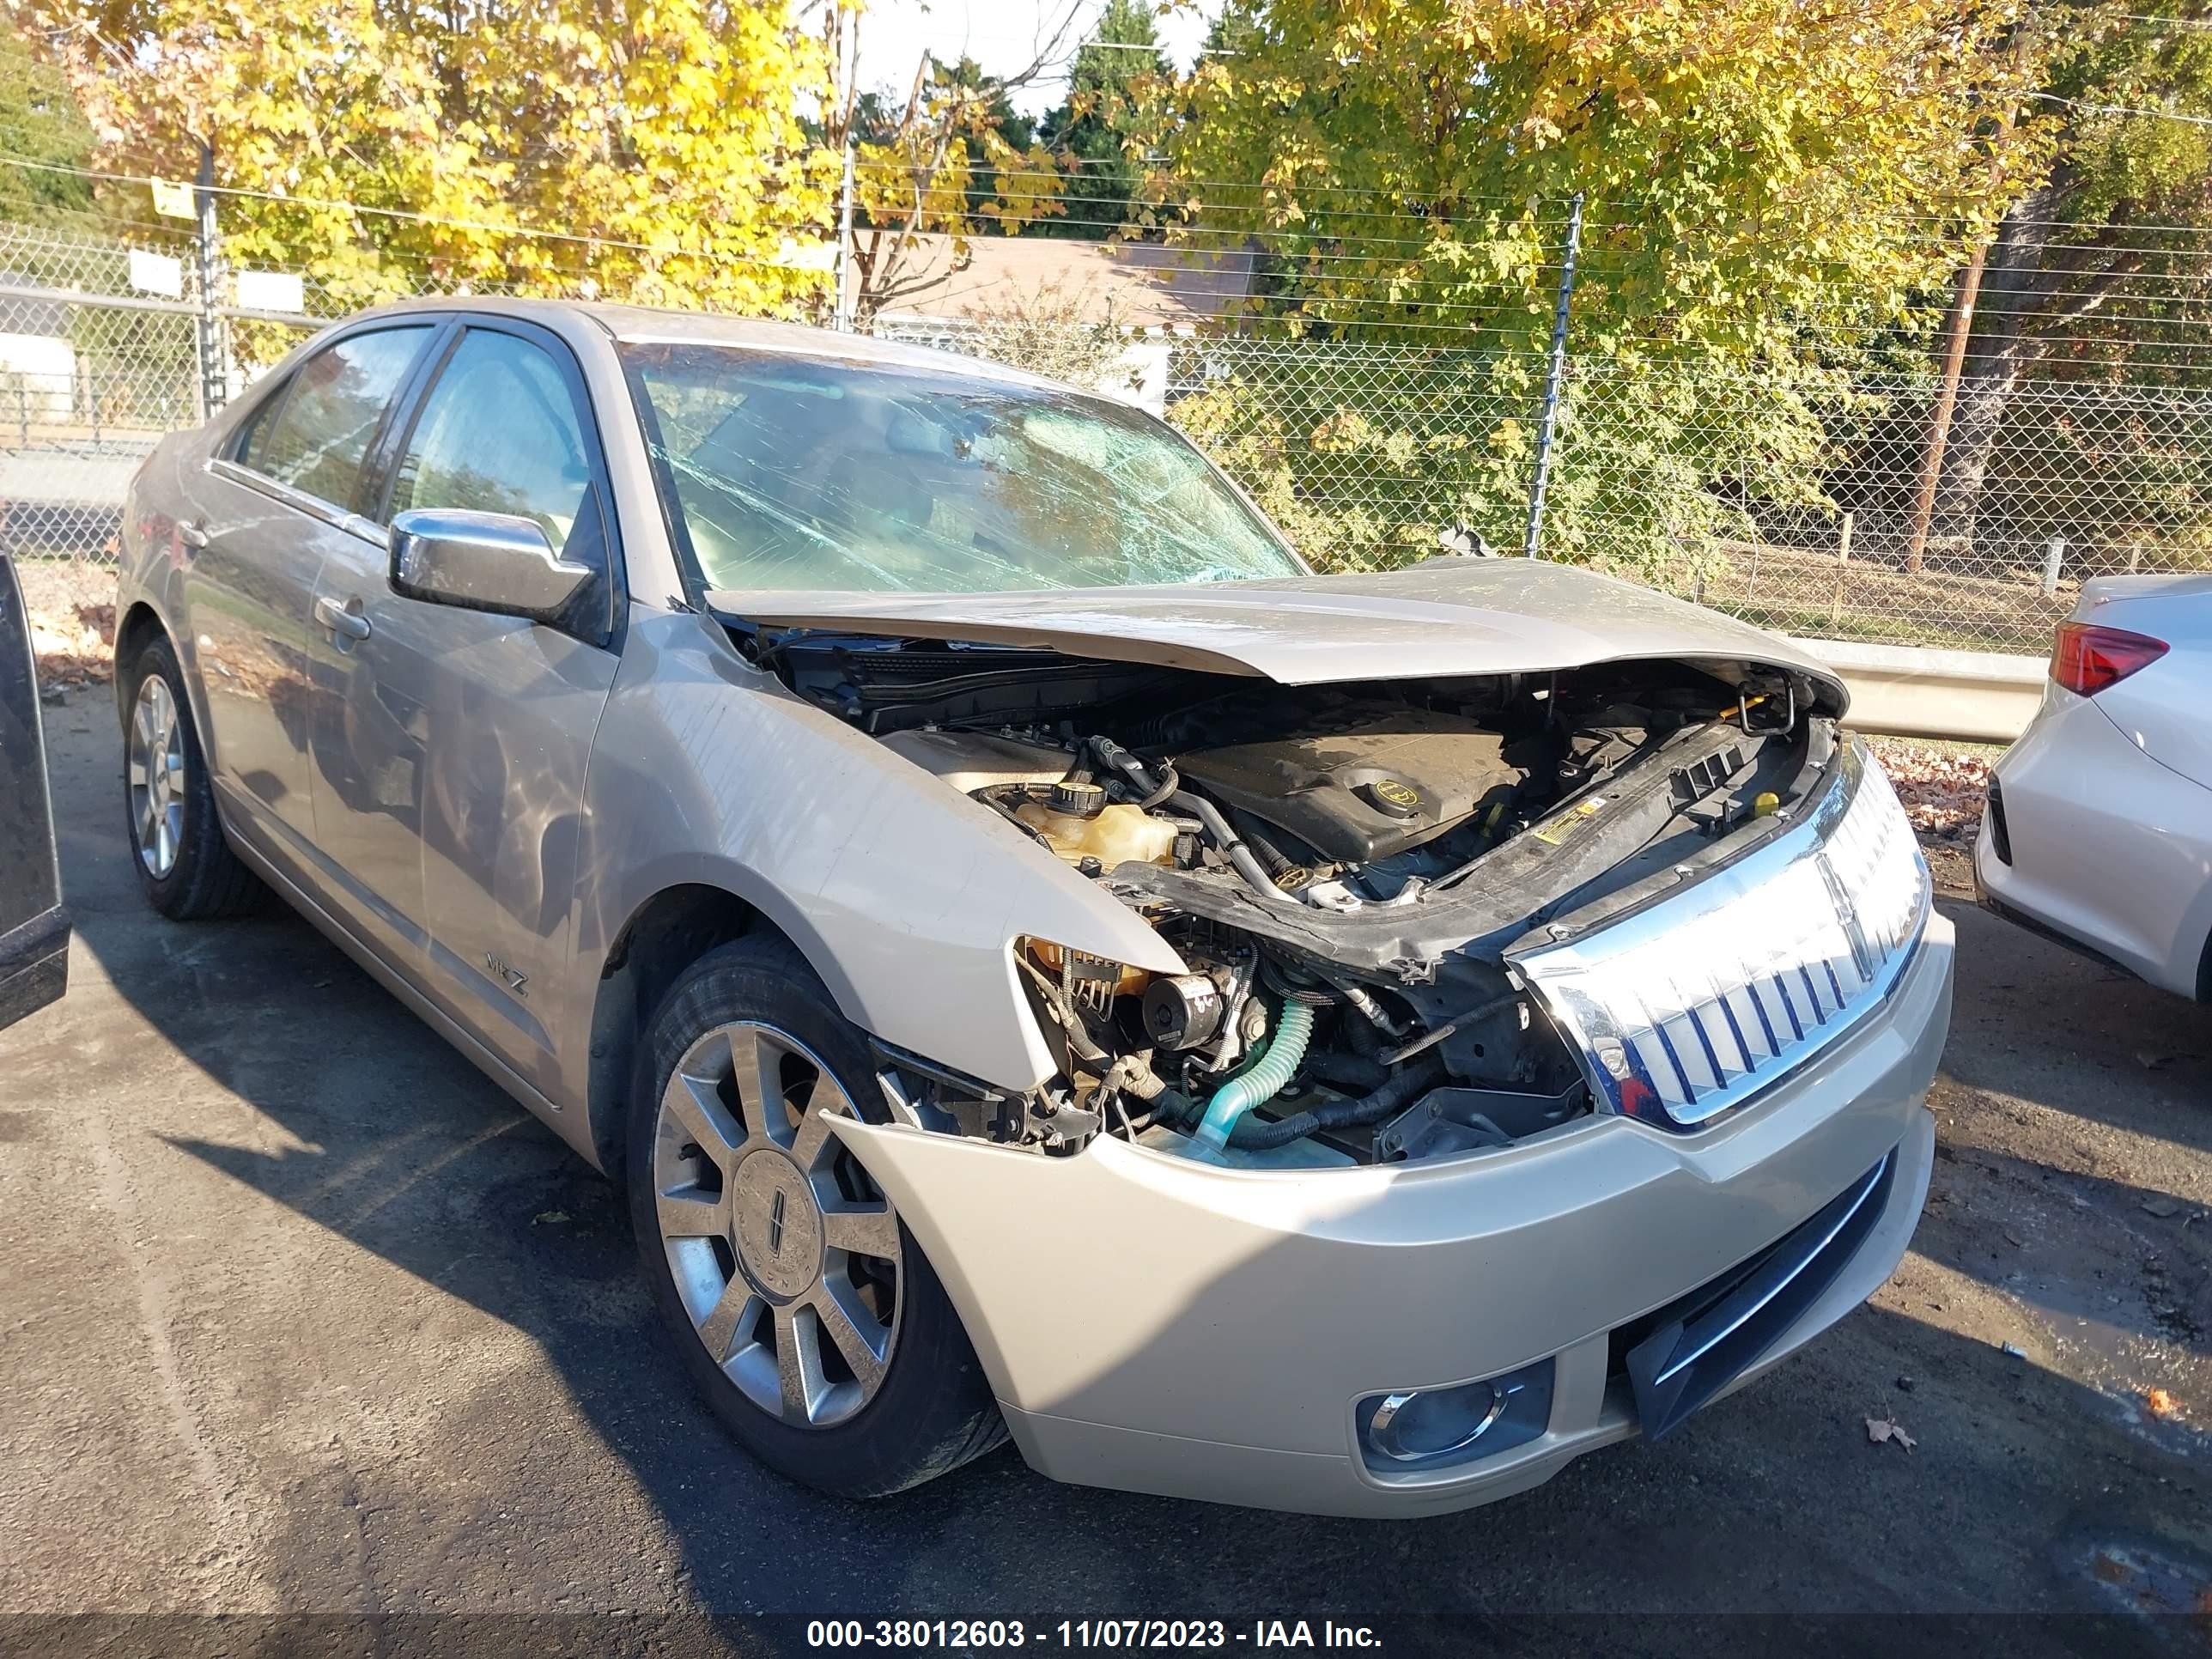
(1448, 616)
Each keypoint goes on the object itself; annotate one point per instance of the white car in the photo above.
(2099, 831)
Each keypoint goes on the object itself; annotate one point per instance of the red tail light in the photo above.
(2089, 657)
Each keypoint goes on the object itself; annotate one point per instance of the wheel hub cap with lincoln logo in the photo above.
(785, 1254)
(778, 1226)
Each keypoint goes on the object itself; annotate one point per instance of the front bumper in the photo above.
(1161, 1325)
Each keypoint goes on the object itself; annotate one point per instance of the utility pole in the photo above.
(848, 69)
(208, 320)
(1957, 331)
(1548, 421)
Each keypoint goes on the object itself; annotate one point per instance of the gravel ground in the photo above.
(300, 1315)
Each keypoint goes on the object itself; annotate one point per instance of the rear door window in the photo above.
(318, 438)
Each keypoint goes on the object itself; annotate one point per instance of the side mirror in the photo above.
(495, 562)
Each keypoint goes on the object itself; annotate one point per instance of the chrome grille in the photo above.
(1694, 1004)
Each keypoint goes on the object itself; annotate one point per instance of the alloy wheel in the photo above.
(156, 760)
(785, 1254)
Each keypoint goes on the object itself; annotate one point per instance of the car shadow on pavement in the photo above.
(2147, 1052)
(1816, 1515)
(501, 1424)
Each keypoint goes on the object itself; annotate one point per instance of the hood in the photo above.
(1443, 618)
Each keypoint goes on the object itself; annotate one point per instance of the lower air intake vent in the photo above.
(1680, 1357)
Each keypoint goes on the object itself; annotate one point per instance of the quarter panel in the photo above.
(247, 593)
(235, 609)
(2108, 846)
(2166, 710)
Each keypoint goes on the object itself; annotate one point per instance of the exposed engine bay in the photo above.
(1344, 869)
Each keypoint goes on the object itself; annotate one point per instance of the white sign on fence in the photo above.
(157, 273)
(272, 290)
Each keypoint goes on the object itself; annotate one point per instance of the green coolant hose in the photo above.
(1260, 1081)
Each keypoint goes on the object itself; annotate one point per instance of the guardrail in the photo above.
(1912, 692)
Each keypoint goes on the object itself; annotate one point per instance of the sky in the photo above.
(1003, 36)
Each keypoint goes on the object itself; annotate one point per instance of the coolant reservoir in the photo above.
(1120, 834)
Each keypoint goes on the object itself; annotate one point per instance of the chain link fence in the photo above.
(93, 370)
(1802, 499)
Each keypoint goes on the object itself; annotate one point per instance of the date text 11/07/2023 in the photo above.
(1118, 1633)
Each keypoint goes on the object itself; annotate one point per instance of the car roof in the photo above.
(641, 324)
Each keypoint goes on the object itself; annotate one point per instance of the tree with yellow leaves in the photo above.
(652, 150)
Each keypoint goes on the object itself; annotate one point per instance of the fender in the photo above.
(707, 770)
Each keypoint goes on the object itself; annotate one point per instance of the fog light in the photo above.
(1424, 1429)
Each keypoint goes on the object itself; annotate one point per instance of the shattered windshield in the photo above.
(794, 472)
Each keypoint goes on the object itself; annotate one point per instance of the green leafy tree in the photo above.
(1761, 176)
(998, 139)
(1094, 129)
(40, 123)
(2095, 275)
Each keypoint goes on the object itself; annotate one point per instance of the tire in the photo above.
(185, 867)
(911, 1403)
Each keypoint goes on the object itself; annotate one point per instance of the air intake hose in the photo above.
(1262, 1081)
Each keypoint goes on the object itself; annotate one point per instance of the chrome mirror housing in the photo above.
(495, 562)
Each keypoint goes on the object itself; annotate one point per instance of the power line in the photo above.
(317, 205)
(2191, 24)
(2118, 109)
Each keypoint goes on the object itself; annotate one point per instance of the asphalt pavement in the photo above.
(300, 1315)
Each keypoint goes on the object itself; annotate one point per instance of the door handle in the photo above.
(194, 535)
(340, 619)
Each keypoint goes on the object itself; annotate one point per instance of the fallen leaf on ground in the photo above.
(1880, 1430)
(548, 1218)
(2161, 1207)
(2162, 1403)
(1942, 794)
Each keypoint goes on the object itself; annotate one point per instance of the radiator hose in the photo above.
(1262, 1081)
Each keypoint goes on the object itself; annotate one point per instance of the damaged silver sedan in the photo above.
(1044, 962)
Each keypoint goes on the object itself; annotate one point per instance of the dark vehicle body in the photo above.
(34, 929)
